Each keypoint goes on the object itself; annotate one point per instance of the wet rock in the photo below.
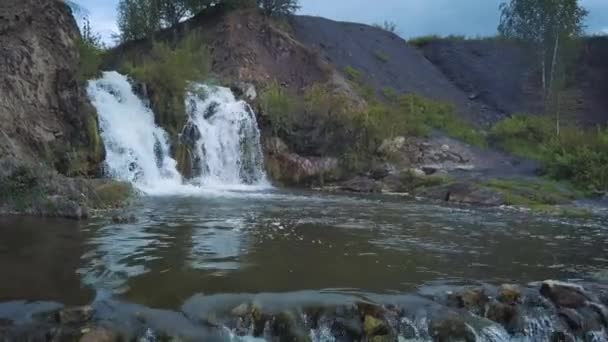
(560, 336)
(259, 320)
(286, 328)
(465, 193)
(509, 294)
(572, 318)
(373, 326)
(564, 294)
(124, 219)
(76, 315)
(382, 171)
(350, 328)
(100, 334)
(245, 91)
(293, 169)
(503, 314)
(451, 328)
(241, 310)
(362, 184)
(472, 299)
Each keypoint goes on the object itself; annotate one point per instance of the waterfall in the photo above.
(228, 150)
(225, 143)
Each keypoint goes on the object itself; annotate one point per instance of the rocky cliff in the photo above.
(44, 112)
(48, 128)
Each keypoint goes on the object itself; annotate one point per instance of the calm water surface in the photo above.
(287, 241)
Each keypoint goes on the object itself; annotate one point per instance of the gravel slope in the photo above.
(386, 61)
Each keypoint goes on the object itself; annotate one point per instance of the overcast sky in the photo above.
(413, 17)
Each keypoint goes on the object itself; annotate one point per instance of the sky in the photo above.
(413, 17)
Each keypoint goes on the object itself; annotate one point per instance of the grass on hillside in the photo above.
(577, 155)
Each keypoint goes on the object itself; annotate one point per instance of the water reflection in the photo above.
(284, 242)
(217, 245)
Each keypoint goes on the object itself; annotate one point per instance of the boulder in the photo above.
(503, 314)
(509, 294)
(564, 294)
(373, 326)
(361, 184)
(472, 299)
(100, 334)
(75, 315)
(452, 327)
(465, 193)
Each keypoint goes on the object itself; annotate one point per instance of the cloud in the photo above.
(413, 17)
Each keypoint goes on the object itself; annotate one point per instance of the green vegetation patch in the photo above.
(576, 155)
(168, 73)
(113, 194)
(381, 56)
(534, 192)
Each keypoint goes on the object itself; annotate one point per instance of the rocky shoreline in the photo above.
(544, 311)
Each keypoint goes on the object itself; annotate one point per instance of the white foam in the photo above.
(138, 151)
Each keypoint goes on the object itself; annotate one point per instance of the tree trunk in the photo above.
(554, 92)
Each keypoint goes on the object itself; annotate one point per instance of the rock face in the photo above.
(44, 112)
(292, 169)
(48, 128)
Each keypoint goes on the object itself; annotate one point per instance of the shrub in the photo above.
(353, 74)
(381, 56)
(523, 135)
(280, 107)
(442, 116)
(168, 73)
(278, 7)
(575, 155)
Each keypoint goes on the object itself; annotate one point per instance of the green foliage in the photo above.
(441, 116)
(280, 107)
(550, 26)
(353, 74)
(137, 19)
(529, 192)
(112, 194)
(576, 155)
(381, 56)
(524, 135)
(388, 26)
(278, 7)
(426, 40)
(168, 73)
(90, 52)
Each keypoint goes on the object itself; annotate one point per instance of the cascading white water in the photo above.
(226, 145)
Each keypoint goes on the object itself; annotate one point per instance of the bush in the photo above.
(278, 7)
(168, 73)
(441, 116)
(523, 135)
(381, 56)
(280, 107)
(426, 40)
(575, 155)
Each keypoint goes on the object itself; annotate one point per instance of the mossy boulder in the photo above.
(36, 189)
